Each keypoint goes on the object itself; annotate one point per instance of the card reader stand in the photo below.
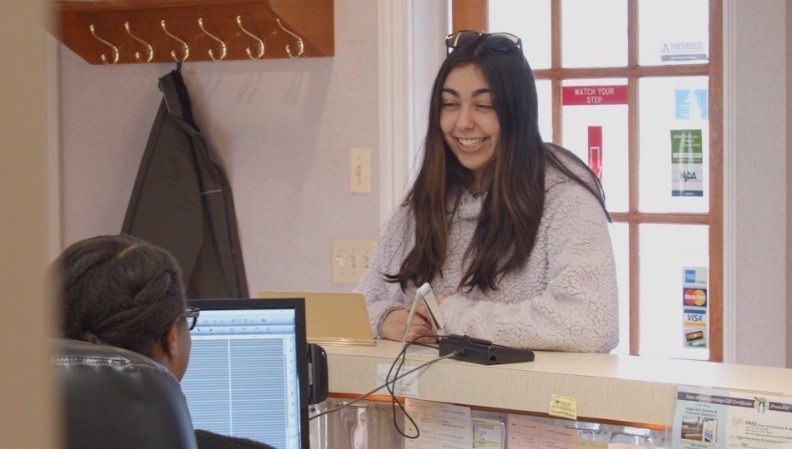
(483, 352)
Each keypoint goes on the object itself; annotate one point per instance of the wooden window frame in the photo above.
(473, 15)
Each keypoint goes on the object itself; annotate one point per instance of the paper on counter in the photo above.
(525, 433)
(488, 433)
(441, 426)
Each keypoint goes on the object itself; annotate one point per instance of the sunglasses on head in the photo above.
(494, 41)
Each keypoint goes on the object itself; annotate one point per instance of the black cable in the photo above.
(388, 381)
(385, 385)
(400, 358)
(394, 401)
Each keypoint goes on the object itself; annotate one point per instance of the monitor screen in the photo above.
(248, 374)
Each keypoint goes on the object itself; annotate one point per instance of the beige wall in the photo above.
(789, 186)
(755, 214)
(283, 129)
(27, 405)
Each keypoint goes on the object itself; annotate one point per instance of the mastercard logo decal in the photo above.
(695, 297)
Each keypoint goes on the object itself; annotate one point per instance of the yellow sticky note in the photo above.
(563, 407)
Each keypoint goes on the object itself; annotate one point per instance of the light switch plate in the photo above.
(360, 170)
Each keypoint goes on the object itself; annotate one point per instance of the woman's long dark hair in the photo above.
(514, 181)
(118, 290)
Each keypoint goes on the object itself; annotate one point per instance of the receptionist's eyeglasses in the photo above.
(191, 316)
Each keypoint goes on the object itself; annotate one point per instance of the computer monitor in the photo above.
(248, 374)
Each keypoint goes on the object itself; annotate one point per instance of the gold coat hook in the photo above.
(115, 49)
(185, 47)
(300, 45)
(223, 48)
(149, 48)
(259, 41)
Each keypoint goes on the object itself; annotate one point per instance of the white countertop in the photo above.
(622, 388)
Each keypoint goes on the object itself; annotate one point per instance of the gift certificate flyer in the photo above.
(715, 419)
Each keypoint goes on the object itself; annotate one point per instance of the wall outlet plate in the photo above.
(350, 260)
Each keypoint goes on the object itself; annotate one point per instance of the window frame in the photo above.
(473, 15)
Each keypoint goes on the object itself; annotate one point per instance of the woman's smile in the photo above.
(470, 126)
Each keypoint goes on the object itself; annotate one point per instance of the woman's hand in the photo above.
(395, 323)
(423, 311)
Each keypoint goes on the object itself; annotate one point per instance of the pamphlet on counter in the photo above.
(715, 419)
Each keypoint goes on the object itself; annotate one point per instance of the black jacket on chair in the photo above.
(114, 398)
(182, 200)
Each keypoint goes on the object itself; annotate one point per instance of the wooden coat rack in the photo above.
(138, 31)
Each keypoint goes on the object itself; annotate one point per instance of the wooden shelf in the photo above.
(311, 20)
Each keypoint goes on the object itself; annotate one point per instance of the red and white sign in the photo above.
(593, 95)
(595, 150)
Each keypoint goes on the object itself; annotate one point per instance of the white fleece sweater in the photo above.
(564, 299)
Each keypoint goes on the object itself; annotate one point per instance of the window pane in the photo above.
(594, 115)
(668, 312)
(674, 144)
(594, 34)
(544, 92)
(528, 20)
(673, 32)
(619, 233)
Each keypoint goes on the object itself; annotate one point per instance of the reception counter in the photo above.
(622, 389)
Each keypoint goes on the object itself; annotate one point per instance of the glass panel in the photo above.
(528, 20)
(620, 238)
(673, 32)
(544, 92)
(674, 144)
(594, 114)
(674, 304)
(594, 34)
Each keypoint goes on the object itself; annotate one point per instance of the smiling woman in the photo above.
(468, 120)
(512, 231)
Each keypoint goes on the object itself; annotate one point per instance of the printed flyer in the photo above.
(717, 419)
(687, 163)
